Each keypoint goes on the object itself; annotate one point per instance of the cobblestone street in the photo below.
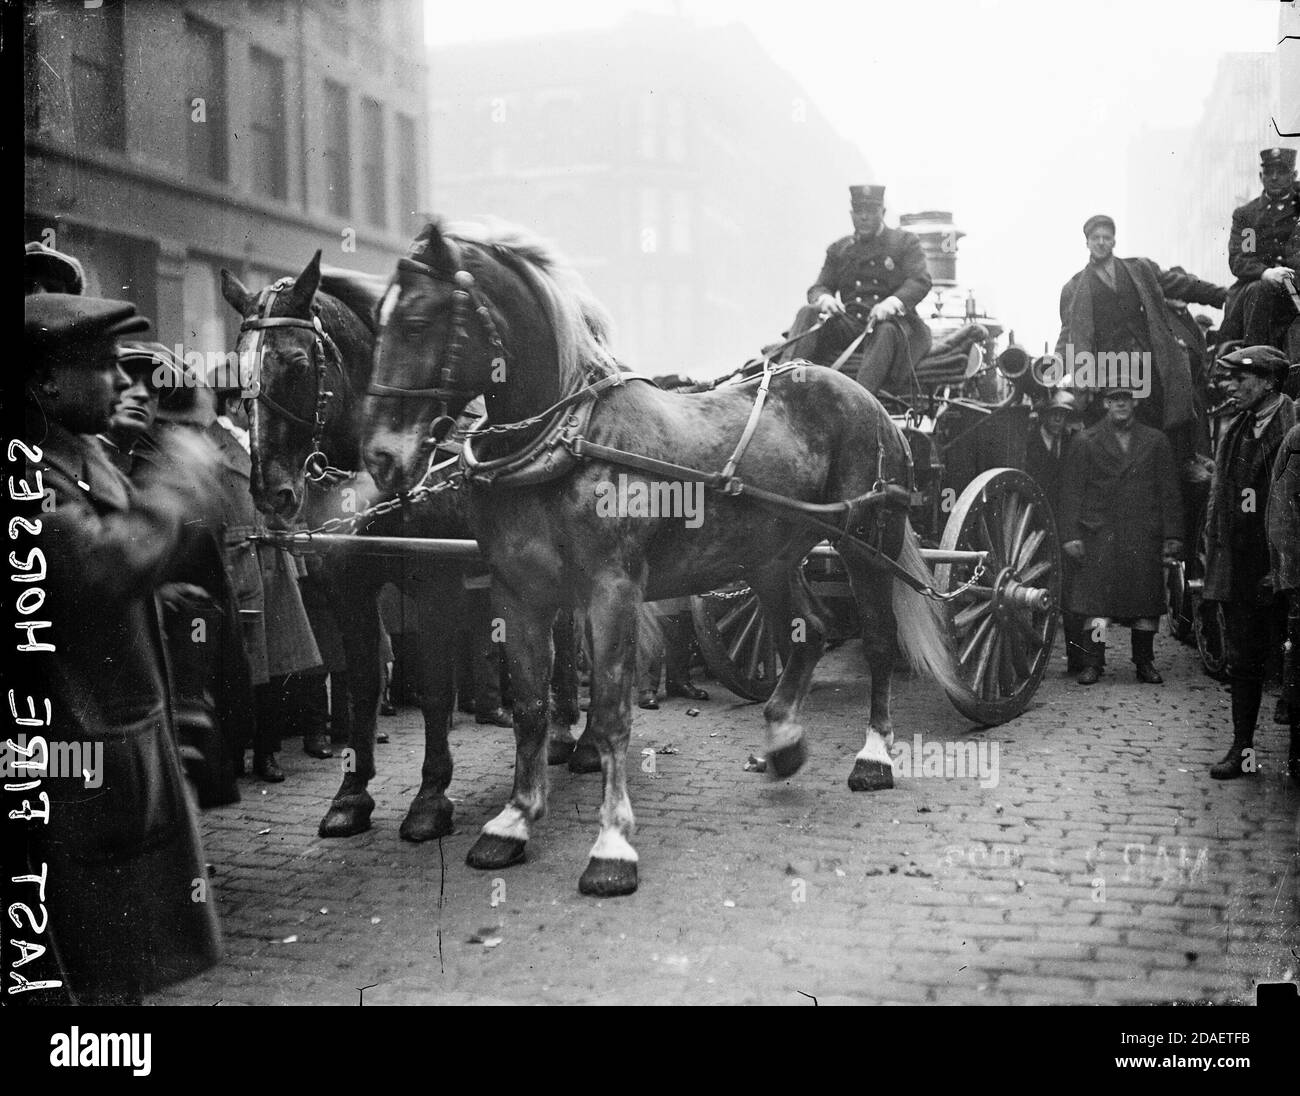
(1104, 866)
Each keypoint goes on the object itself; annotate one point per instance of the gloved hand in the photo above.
(831, 304)
(1073, 549)
(884, 310)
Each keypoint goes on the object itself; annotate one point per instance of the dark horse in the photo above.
(493, 312)
(312, 341)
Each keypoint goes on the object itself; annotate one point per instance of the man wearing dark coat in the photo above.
(1263, 248)
(1117, 306)
(1239, 569)
(130, 908)
(1121, 516)
(1046, 449)
(868, 290)
(1284, 543)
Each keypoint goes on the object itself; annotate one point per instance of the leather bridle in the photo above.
(316, 468)
(465, 298)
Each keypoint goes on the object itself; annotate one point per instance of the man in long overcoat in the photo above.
(1239, 569)
(1117, 306)
(868, 288)
(129, 904)
(1283, 517)
(1121, 516)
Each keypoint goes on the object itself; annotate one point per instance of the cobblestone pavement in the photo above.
(1104, 866)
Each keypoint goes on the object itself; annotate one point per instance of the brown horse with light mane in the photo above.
(493, 312)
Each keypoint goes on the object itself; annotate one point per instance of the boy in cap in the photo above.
(1263, 252)
(151, 370)
(1121, 517)
(120, 851)
(1239, 569)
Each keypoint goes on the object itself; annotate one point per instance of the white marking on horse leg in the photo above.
(876, 747)
(612, 845)
(511, 822)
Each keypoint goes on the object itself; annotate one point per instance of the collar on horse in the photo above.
(316, 468)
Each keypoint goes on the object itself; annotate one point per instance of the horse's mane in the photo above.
(580, 322)
(360, 292)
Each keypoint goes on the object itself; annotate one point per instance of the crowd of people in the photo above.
(185, 640)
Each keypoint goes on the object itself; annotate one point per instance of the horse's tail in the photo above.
(922, 623)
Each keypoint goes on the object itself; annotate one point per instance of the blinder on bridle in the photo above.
(465, 298)
(316, 468)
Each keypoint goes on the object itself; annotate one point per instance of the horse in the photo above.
(491, 310)
(312, 342)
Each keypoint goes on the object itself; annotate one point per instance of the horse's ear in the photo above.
(306, 284)
(239, 298)
(438, 253)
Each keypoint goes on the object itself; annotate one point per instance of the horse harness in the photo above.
(316, 468)
(560, 445)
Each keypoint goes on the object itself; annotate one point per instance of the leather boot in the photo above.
(1144, 657)
(1246, 696)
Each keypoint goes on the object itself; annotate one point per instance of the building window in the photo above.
(675, 130)
(408, 172)
(374, 163)
(97, 62)
(268, 9)
(679, 223)
(338, 158)
(207, 327)
(647, 127)
(205, 104)
(270, 174)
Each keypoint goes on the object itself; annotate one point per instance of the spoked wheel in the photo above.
(1003, 625)
(1210, 631)
(1178, 600)
(738, 647)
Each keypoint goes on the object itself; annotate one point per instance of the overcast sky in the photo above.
(1014, 114)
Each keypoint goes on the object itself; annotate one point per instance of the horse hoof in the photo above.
(788, 760)
(558, 751)
(347, 816)
(425, 822)
(608, 878)
(491, 852)
(870, 776)
(585, 759)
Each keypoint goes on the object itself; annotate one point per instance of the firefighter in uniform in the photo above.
(868, 290)
(1263, 249)
(1239, 570)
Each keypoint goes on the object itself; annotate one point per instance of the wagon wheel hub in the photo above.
(1010, 595)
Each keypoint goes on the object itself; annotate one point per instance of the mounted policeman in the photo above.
(868, 290)
(1264, 254)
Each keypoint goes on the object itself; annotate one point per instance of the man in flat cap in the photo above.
(151, 368)
(868, 290)
(1121, 516)
(120, 850)
(48, 271)
(1116, 307)
(1263, 250)
(1239, 569)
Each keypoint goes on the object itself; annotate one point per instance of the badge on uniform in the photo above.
(889, 262)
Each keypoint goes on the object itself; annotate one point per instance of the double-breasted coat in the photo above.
(1122, 506)
(1238, 564)
(129, 903)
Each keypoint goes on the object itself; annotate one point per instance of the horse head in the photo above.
(479, 310)
(290, 365)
